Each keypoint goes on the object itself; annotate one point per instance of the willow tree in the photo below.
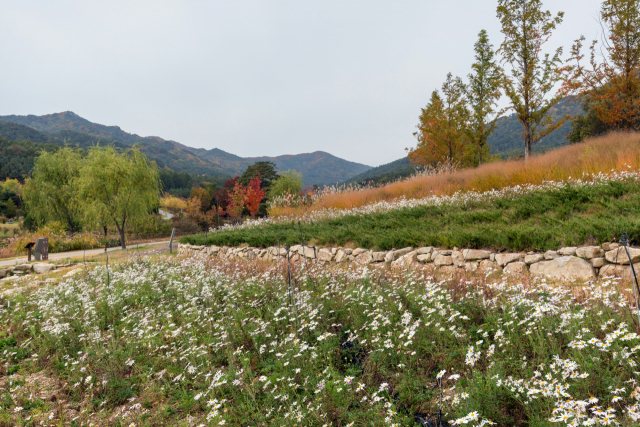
(483, 94)
(118, 187)
(50, 194)
(526, 28)
(443, 126)
(610, 82)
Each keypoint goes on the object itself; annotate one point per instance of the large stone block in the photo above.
(504, 259)
(517, 267)
(405, 260)
(424, 258)
(532, 259)
(619, 255)
(443, 260)
(589, 252)
(568, 251)
(364, 258)
(43, 268)
(325, 255)
(379, 256)
(425, 251)
(475, 254)
(623, 271)
(549, 255)
(394, 255)
(563, 268)
(341, 256)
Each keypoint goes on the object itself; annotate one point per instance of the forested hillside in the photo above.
(69, 128)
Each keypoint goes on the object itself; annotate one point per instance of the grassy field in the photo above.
(538, 220)
(598, 155)
(166, 342)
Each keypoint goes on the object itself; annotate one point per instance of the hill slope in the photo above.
(68, 127)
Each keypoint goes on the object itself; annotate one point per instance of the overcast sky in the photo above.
(250, 77)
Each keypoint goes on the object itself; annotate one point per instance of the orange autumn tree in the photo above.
(443, 127)
(254, 195)
(237, 201)
(610, 82)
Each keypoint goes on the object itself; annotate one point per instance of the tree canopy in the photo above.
(120, 188)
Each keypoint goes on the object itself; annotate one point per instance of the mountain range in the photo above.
(69, 128)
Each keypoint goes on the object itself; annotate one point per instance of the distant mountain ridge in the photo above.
(69, 128)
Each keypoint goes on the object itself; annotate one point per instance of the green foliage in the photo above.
(541, 220)
(266, 171)
(587, 125)
(483, 93)
(118, 188)
(17, 157)
(526, 28)
(50, 195)
(289, 182)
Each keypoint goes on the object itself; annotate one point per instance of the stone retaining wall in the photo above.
(584, 263)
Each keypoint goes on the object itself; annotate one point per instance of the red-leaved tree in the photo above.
(254, 195)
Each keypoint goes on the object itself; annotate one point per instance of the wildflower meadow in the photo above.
(198, 342)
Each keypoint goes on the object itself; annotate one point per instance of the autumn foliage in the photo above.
(616, 151)
(254, 195)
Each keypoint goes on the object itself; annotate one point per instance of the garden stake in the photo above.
(303, 251)
(636, 291)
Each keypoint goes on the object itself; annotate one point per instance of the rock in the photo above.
(458, 259)
(50, 281)
(43, 268)
(471, 266)
(487, 265)
(610, 246)
(589, 252)
(251, 255)
(425, 251)
(309, 252)
(358, 251)
(347, 251)
(3, 273)
(424, 258)
(566, 267)
(379, 256)
(515, 268)
(325, 255)
(23, 267)
(597, 262)
(405, 260)
(504, 259)
(394, 255)
(364, 258)
(334, 251)
(492, 257)
(443, 260)
(619, 270)
(351, 258)
(341, 256)
(295, 249)
(551, 255)
(619, 255)
(532, 259)
(475, 254)
(568, 251)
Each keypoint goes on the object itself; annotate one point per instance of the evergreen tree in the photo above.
(483, 93)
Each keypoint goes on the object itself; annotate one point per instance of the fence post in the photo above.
(173, 233)
(636, 291)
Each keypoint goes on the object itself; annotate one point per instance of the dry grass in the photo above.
(616, 151)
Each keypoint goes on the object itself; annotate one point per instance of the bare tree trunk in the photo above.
(527, 141)
(121, 231)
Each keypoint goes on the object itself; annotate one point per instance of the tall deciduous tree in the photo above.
(442, 128)
(483, 93)
(50, 194)
(121, 188)
(526, 28)
(254, 195)
(610, 82)
(237, 201)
